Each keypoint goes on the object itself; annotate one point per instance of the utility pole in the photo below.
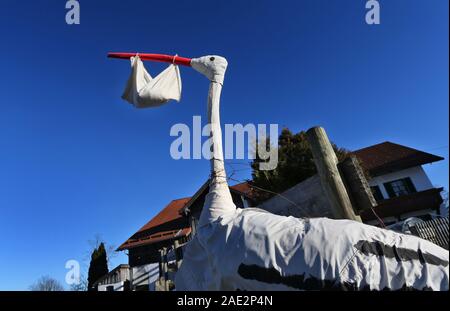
(327, 169)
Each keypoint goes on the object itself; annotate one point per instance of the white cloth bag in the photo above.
(143, 91)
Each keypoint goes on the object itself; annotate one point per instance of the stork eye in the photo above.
(212, 59)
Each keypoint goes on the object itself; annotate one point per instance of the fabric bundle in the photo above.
(143, 91)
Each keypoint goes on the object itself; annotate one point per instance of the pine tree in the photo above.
(98, 266)
(295, 164)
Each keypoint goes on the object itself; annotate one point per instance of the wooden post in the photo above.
(357, 184)
(165, 270)
(131, 278)
(162, 270)
(326, 164)
(160, 264)
(177, 250)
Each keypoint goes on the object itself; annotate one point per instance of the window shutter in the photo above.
(377, 193)
(410, 185)
(389, 190)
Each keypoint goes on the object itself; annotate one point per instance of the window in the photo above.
(377, 193)
(400, 187)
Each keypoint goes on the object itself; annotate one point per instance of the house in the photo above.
(397, 180)
(399, 183)
(144, 247)
(167, 226)
(151, 256)
(116, 280)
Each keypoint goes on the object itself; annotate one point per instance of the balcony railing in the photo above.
(394, 207)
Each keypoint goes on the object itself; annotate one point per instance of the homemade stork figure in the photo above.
(251, 249)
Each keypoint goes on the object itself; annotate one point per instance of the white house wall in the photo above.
(418, 177)
(142, 275)
(305, 199)
(117, 287)
(146, 275)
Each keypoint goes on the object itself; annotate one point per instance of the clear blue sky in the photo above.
(76, 160)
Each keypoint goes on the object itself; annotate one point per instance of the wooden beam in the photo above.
(177, 249)
(326, 164)
(160, 264)
(165, 269)
(131, 278)
(357, 185)
(161, 284)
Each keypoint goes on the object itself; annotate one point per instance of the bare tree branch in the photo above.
(46, 284)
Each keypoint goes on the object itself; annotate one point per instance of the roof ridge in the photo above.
(378, 144)
(388, 156)
(185, 198)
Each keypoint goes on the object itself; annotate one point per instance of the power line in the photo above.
(265, 190)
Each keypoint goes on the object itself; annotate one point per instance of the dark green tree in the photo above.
(295, 164)
(98, 266)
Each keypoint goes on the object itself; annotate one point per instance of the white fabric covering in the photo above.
(144, 91)
(252, 249)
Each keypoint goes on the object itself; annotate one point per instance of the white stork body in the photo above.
(251, 249)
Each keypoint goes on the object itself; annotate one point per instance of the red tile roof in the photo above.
(169, 213)
(388, 157)
(169, 223)
(244, 188)
(166, 225)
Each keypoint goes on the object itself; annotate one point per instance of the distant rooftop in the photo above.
(388, 157)
(167, 224)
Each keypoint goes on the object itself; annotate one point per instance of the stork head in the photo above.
(211, 66)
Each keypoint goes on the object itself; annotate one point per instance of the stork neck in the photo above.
(218, 174)
(218, 201)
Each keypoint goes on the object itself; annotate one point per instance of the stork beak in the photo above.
(154, 57)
